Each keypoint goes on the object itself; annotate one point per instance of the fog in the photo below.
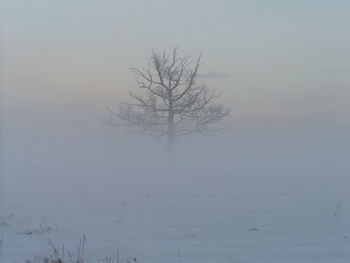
(283, 69)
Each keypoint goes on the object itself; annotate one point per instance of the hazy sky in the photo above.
(274, 59)
(281, 65)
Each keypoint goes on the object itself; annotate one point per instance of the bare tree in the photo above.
(173, 103)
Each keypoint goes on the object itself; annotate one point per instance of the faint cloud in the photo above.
(214, 75)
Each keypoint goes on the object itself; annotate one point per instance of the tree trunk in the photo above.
(171, 128)
(170, 143)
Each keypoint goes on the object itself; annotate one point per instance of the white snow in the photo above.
(154, 215)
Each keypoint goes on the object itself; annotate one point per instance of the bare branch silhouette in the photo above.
(173, 103)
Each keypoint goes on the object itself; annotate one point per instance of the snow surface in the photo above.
(155, 214)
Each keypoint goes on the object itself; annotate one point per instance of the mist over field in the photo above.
(273, 186)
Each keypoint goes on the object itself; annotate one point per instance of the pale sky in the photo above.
(278, 64)
(277, 59)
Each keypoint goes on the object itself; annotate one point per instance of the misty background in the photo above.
(282, 67)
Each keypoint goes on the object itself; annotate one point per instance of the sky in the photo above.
(273, 59)
(283, 68)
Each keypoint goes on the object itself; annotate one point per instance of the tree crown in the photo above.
(173, 104)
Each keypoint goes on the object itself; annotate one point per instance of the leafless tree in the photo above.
(173, 103)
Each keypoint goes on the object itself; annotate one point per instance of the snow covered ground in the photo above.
(154, 215)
